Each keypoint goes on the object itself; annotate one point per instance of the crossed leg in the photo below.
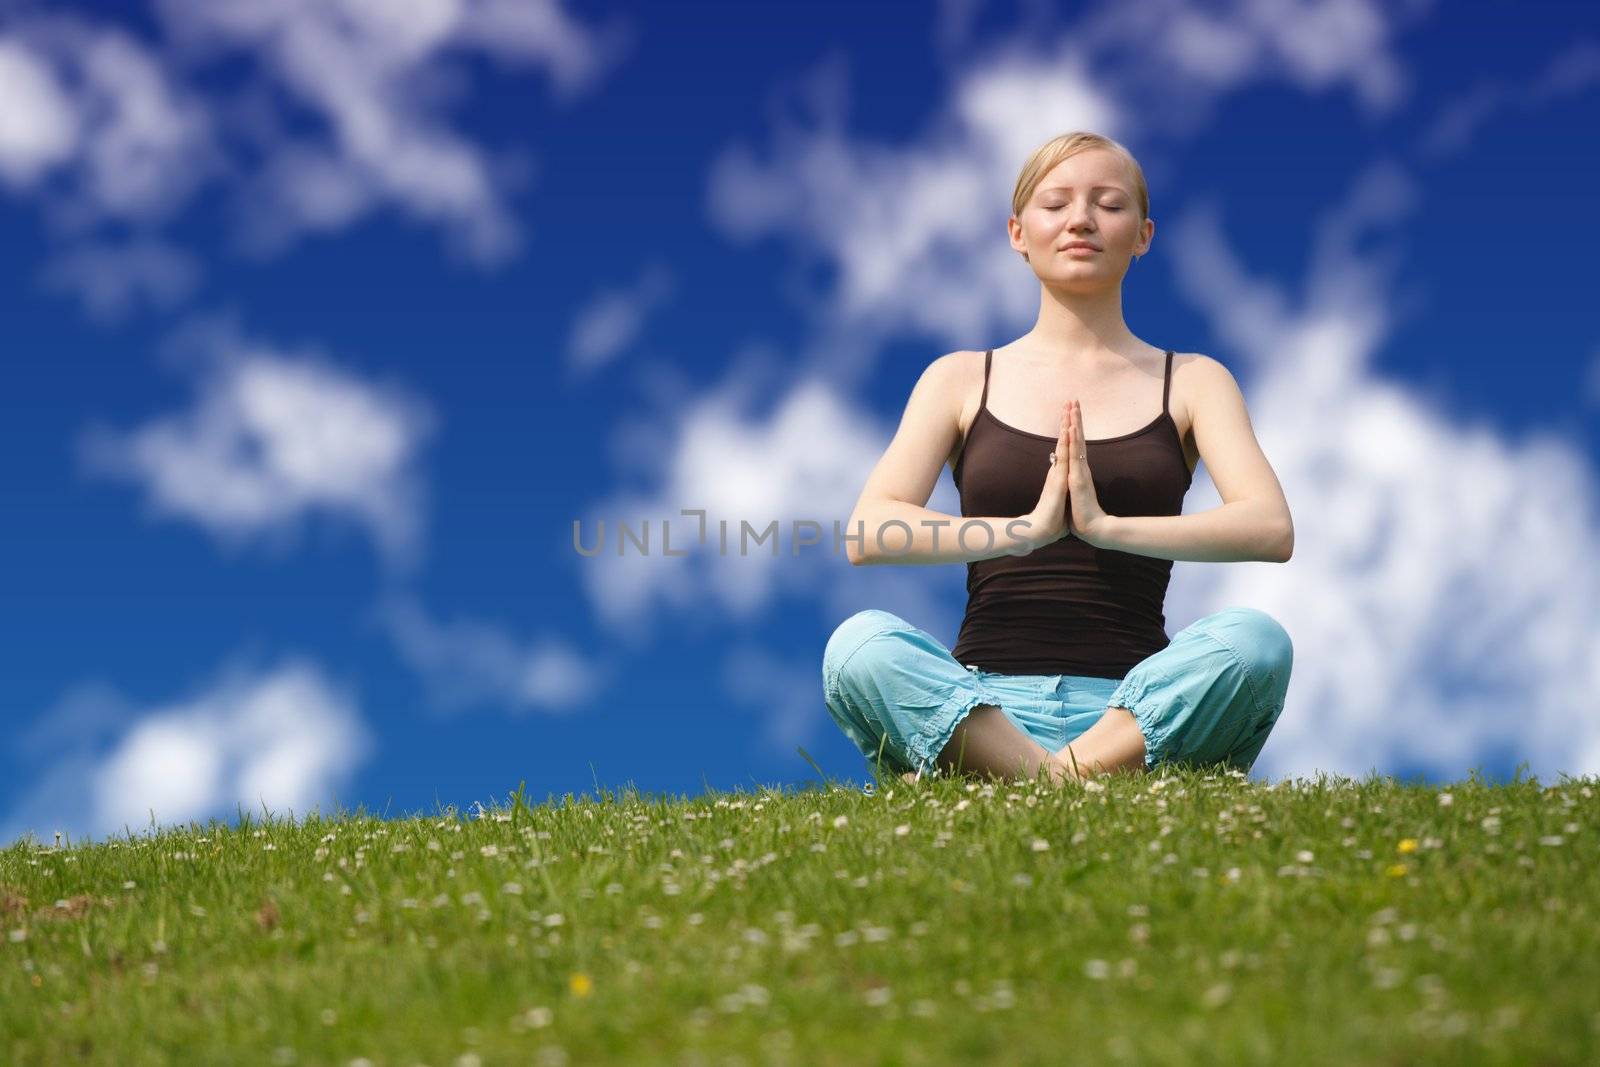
(987, 742)
(1114, 743)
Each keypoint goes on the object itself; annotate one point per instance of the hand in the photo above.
(1067, 481)
(1089, 520)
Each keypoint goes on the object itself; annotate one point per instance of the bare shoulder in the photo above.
(964, 379)
(956, 380)
(1196, 366)
(1195, 377)
(951, 377)
(1197, 380)
(953, 369)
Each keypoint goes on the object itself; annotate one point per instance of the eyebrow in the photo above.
(1068, 188)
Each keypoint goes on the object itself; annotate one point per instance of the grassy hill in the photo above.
(1193, 917)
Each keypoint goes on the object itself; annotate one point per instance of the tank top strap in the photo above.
(1166, 385)
(984, 397)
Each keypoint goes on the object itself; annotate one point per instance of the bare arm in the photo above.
(1253, 522)
(890, 516)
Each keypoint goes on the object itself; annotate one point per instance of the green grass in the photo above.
(1196, 917)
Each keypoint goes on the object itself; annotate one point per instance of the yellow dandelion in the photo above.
(1408, 845)
(1398, 870)
(581, 984)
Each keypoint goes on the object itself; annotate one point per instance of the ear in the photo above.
(1009, 221)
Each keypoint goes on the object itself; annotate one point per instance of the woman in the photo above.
(1062, 667)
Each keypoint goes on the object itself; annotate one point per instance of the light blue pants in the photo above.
(1210, 697)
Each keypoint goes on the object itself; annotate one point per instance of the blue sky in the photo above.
(322, 324)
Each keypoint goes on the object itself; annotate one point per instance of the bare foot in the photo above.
(1065, 768)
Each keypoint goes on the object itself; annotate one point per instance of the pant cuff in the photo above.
(938, 727)
(1136, 693)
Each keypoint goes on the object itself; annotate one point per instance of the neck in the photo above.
(1080, 327)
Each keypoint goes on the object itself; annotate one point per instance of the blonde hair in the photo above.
(1046, 156)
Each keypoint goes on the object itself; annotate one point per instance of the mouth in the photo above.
(1080, 248)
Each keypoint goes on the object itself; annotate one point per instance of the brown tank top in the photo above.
(1068, 607)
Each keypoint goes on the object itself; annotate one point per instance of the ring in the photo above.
(1052, 458)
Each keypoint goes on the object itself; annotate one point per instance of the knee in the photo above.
(1263, 641)
(851, 634)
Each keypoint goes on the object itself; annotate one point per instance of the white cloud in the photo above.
(1452, 129)
(804, 459)
(377, 75)
(1570, 72)
(38, 125)
(283, 737)
(328, 113)
(1573, 70)
(613, 319)
(469, 662)
(782, 691)
(916, 234)
(804, 456)
(899, 228)
(954, 25)
(1444, 595)
(98, 104)
(112, 279)
(273, 438)
(1319, 43)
